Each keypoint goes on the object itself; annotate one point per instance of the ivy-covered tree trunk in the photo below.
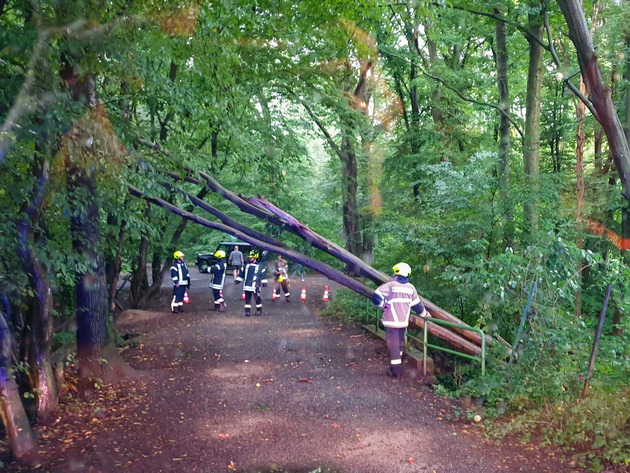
(91, 138)
(93, 335)
(38, 327)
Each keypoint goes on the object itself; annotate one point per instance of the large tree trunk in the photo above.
(504, 130)
(38, 328)
(92, 136)
(601, 98)
(531, 141)
(580, 114)
(18, 429)
(598, 93)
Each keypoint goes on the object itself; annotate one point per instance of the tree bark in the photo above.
(16, 424)
(139, 280)
(504, 130)
(91, 137)
(38, 328)
(113, 264)
(598, 93)
(531, 141)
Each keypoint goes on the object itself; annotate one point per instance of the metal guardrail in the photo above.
(446, 323)
(373, 314)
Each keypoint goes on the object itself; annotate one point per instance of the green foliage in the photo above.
(61, 339)
(598, 425)
(346, 306)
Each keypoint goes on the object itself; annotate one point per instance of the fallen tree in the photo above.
(262, 209)
(265, 210)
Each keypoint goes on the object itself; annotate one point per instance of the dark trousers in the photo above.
(248, 302)
(218, 300)
(178, 298)
(395, 338)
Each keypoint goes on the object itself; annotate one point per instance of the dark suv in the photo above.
(206, 260)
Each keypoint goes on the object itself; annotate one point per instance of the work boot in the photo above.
(258, 311)
(393, 373)
(217, 307)
(248, 312)
(288, 298)
(181, 310)
(221, 308)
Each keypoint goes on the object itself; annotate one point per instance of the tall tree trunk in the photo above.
(504, 130)
(531, 141)
(38, 328)
(413, 126)
(625, 217)
(139, 281)
(113, 264)
(598, 93)
(350, 209)
(16, 424)
(580, 112)
(91, 137)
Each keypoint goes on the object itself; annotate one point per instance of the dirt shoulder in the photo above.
(288, 391)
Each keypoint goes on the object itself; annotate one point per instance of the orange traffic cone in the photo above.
(186, 299)
(325, 297)
(274, 296)
(243, 296)
(303, 295)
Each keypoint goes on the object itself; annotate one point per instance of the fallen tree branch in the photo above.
(353, 284)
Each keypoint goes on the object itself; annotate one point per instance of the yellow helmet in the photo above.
(178, 255)
(253, 254)
(402, 269)
(219, 254)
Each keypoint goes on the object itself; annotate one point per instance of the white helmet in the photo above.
(402, 269)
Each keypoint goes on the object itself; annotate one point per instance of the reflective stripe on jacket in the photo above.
(179, 273)
(218, 275)
(252, 275)
(398, 299)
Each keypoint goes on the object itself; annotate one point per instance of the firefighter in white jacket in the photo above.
(397, 298)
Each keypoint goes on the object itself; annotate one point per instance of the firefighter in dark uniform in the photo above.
(253, 276)
(397, 298)
(181, 282)
(217, 279)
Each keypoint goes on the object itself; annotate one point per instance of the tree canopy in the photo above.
(484, 144)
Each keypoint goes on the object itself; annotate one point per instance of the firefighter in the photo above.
(217, 279)
(397, 298)
(181, 282)
(253, 276)
(281, 272)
